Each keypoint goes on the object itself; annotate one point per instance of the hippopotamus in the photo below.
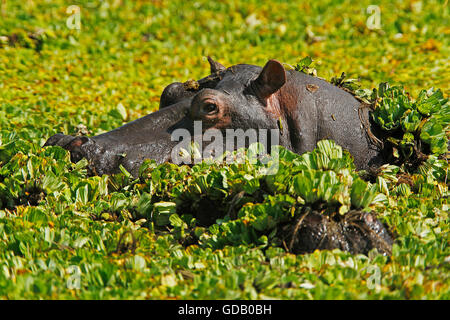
(304, 109)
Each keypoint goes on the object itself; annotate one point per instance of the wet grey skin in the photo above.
(305, 109)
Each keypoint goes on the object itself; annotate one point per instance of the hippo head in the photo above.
(239, 97)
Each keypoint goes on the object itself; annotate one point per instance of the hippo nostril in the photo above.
(77, 142)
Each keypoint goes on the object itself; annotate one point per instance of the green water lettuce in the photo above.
(424, 122)
(65, 235)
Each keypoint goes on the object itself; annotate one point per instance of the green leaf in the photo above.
(162, 211)
(362, 194)
(434, 134)
(430, 101)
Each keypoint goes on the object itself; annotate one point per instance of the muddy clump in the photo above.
(355, 232)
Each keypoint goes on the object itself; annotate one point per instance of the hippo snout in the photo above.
(70, 143)
(65, 141)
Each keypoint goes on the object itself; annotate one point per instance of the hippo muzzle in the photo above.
(129, 145)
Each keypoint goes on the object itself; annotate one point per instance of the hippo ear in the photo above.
(270, 80)
(215, 66)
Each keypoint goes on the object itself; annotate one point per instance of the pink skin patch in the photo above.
(76, 143)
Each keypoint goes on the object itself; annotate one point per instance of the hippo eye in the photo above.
(210, 108)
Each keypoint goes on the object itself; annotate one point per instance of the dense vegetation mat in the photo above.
(212, 231)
